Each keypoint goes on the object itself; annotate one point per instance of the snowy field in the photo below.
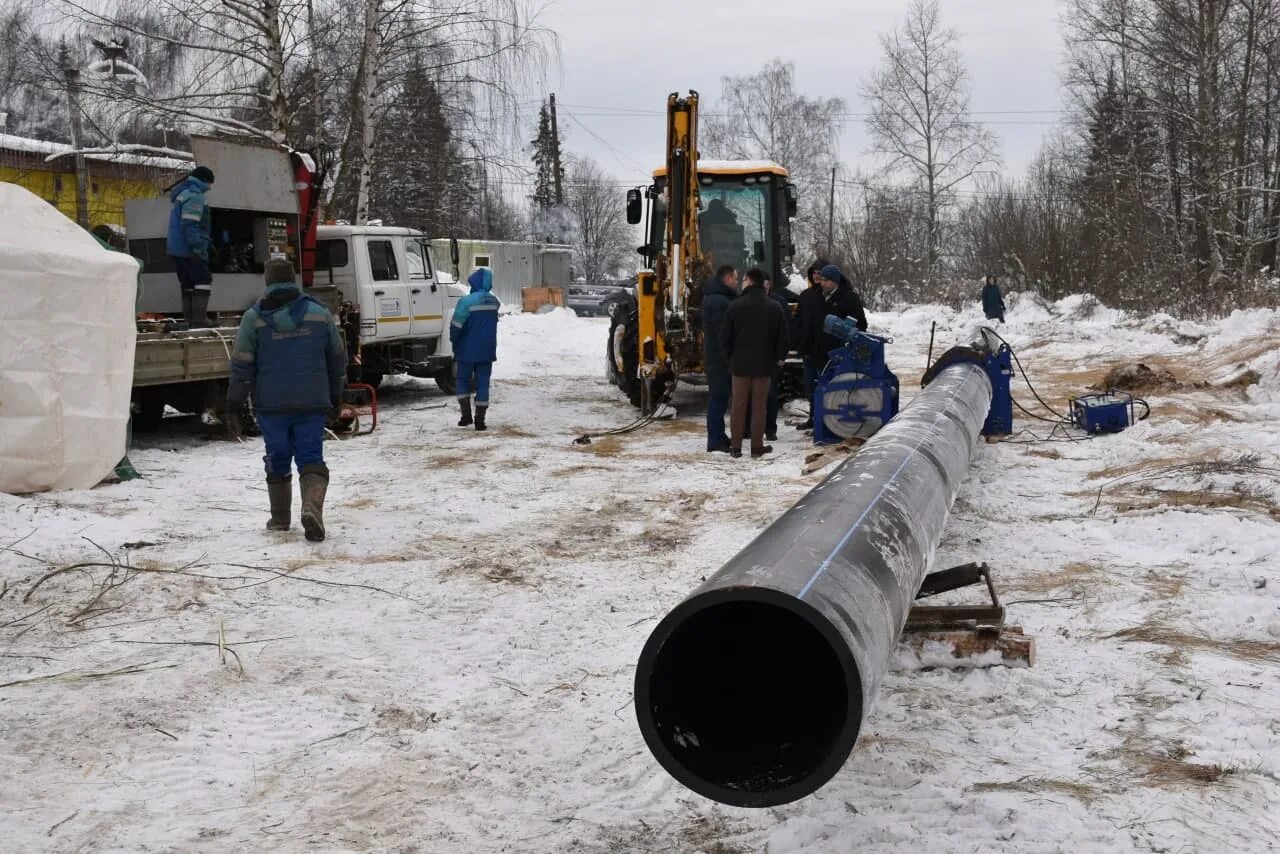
(451, 671)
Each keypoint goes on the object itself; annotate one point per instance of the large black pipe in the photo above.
(753, 690)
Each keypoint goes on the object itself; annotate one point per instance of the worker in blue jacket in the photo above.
(474, 334)
(189, 244)
(290, 358)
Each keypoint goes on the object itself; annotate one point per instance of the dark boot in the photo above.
(280, 490)
(464, 403)
(313, 482)
(480, 411)
(199, 317)
(186, 308)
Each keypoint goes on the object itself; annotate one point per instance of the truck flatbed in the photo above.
(163, 358)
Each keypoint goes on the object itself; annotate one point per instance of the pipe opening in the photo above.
(751, 702)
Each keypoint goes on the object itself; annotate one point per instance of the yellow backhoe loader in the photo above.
(698, 215)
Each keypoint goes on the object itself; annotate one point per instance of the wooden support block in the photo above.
(828, 454)
(967, 643)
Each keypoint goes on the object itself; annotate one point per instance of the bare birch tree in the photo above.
(920, 119)
(599, 233)
(761, 117)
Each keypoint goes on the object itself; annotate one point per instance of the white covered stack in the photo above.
(67, 336)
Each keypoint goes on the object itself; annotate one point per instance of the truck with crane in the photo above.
(381, 283)
(697, 215)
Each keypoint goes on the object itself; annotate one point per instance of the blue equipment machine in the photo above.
(856, 394)
(995, 357)
(1104, 413)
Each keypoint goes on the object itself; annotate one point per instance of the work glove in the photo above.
(237, 417)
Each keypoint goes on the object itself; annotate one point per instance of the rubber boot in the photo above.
(313, 482)
(280, 491)
(480, 411)
(464, 403)
(186, 308)
(199, 318)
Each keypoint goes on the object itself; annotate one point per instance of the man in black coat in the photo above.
(753, 336)
(842, 301)
(716, 296)
(771, 409)
(812, 311)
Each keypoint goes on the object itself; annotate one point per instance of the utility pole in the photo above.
(555, 152)
(831, 214)
(77, 141)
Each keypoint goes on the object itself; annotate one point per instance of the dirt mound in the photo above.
(1137, 377)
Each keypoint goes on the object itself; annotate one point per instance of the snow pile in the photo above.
(551, 343)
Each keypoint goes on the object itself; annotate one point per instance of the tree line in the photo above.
(1161, 190)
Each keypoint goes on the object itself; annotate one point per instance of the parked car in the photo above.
(620, 297)
(592, 300)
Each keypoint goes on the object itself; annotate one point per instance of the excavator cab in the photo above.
(744, 212)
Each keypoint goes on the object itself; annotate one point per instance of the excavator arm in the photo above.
(670, 296)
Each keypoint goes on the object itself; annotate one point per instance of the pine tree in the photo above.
(418, 171)
(544, 194)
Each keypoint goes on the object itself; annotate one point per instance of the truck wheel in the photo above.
(372, 378)
(447, 380)
(148, 410)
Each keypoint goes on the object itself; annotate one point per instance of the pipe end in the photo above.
(748, 696)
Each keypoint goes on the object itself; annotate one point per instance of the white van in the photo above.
(389, 275)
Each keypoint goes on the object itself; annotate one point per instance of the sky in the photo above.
(619, 60)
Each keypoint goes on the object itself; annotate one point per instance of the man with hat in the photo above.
(289, 357)
(189, 243)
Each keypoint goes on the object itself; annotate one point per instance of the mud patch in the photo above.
(1176, 639)
(1082, 792)
(399, 718)
(1141, 378)
(707, 834)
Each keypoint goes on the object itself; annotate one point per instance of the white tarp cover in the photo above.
(67, 337)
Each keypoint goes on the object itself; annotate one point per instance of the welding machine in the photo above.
(993, 356)
(1111, 412)
(856, 394)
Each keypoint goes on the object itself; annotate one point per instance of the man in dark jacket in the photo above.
(812, 312)
(992, 300)
(188, 243)
(289, 357)
(771, 405)
(474, 334)
(716, 297)
(841, 300)
(754, 338)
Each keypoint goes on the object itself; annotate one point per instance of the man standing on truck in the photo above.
(189, 242)
(474, 334)
(289, 357)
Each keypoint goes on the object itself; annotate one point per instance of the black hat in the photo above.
(204, 173)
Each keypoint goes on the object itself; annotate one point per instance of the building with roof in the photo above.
(114, 177)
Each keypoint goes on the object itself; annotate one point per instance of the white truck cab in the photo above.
(389, 275)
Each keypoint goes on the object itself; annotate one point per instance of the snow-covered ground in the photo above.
(451, 671)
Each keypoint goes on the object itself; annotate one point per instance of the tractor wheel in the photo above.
(630, 357)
